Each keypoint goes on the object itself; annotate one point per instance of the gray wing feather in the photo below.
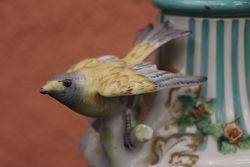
(143, 33)
(179, 81)
(145, 68)
(164, 33)
(164, 79)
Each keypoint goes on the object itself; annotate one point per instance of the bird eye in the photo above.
(67, 82)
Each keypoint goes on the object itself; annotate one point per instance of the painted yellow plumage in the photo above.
(116, 77)
(113, 78)
(139, 53)
(91, 86)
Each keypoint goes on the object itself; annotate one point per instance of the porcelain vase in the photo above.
(205, 126)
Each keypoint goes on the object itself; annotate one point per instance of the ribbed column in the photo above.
(220, 50)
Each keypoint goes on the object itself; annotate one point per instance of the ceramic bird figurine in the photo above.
(94, 87)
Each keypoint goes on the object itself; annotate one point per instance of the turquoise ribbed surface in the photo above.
(235, 74)
(220, 90)
(205, 8)
(219, 49)
(190, 49)
(247, 55)
(204, 55)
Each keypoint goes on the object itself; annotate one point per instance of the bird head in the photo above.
(67, 88)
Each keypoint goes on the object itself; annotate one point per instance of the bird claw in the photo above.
(128, 144)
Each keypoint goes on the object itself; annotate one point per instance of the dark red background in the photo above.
(39, 39)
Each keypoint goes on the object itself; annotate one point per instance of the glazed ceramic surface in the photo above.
(204, 126)
(219, 49)
(202, 8)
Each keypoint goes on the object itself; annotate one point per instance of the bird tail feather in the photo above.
(149, 39)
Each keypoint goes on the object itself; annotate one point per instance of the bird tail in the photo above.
(149, 39)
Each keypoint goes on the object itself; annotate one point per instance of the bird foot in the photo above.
(128, 143)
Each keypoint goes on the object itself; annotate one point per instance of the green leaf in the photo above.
(228, 148)
(216, 130)
(237, 120)
(244, 144)
(210, 106)
(206, 127)
(203, 122)
(187, 101)
(186, 119)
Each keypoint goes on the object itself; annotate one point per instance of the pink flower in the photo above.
(233, 132)
(199, 111)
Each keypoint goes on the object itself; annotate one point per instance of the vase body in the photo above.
(204, 133)
(219, 48)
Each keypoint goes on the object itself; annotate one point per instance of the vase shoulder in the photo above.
(200, 8)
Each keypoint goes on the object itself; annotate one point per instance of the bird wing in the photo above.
(91, 62)
(150, 39)
(142, 78)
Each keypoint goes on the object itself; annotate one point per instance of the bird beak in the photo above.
(43, 91)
